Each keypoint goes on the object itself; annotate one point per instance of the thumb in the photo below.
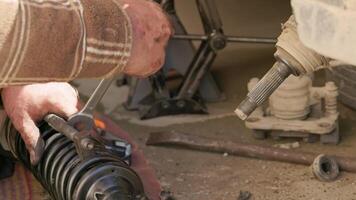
(31, 136)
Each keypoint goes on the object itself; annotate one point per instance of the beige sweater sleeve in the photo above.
(59, 40)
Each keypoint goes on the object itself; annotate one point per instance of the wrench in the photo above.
(83, 120)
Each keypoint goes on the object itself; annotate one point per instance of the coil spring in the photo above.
(66, 177)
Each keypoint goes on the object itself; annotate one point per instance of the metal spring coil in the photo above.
(66, 177)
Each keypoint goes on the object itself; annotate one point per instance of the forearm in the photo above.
(62, 40)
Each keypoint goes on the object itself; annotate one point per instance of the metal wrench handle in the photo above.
(83, 120)
(97, 95)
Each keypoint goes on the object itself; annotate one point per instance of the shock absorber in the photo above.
(85, 166)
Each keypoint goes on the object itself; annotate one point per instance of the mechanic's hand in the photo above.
(26, 105)
(151, 31)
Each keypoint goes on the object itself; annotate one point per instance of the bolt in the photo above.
(219, 43)
(331, 98)
(87, 144)
(90, 145)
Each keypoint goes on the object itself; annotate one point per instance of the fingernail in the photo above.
(33, 157)
(36, 154)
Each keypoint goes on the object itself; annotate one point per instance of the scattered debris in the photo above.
(292, 145)
(167, 195)
(244, 195)
(179, 179)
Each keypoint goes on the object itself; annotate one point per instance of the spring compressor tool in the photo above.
(84, 121)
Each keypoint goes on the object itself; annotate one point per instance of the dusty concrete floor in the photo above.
(198, 175)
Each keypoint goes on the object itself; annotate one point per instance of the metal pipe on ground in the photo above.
(242, 149)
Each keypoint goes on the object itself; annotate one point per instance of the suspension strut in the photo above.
(78, 165)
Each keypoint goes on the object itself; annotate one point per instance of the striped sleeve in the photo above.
(59, 40)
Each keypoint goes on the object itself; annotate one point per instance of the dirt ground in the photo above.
(197, 175)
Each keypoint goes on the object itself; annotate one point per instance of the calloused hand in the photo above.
(151, 30)
(26, 105)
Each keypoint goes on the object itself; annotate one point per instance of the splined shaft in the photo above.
(263, 89)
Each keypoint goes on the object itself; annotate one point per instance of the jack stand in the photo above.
(153, 98)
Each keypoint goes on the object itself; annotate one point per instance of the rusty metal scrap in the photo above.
(194, 142)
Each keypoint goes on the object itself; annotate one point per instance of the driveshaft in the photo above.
(264, 88)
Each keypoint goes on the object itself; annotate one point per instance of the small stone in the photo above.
(179, 179)
(247, 181)
(225, 154)
(244, 195)
(167, 195)
(293, 145)
(165, 184)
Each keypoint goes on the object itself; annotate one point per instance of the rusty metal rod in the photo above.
(242, 149)
(261, 40)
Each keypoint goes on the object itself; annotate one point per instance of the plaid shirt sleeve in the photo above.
(59, 40)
